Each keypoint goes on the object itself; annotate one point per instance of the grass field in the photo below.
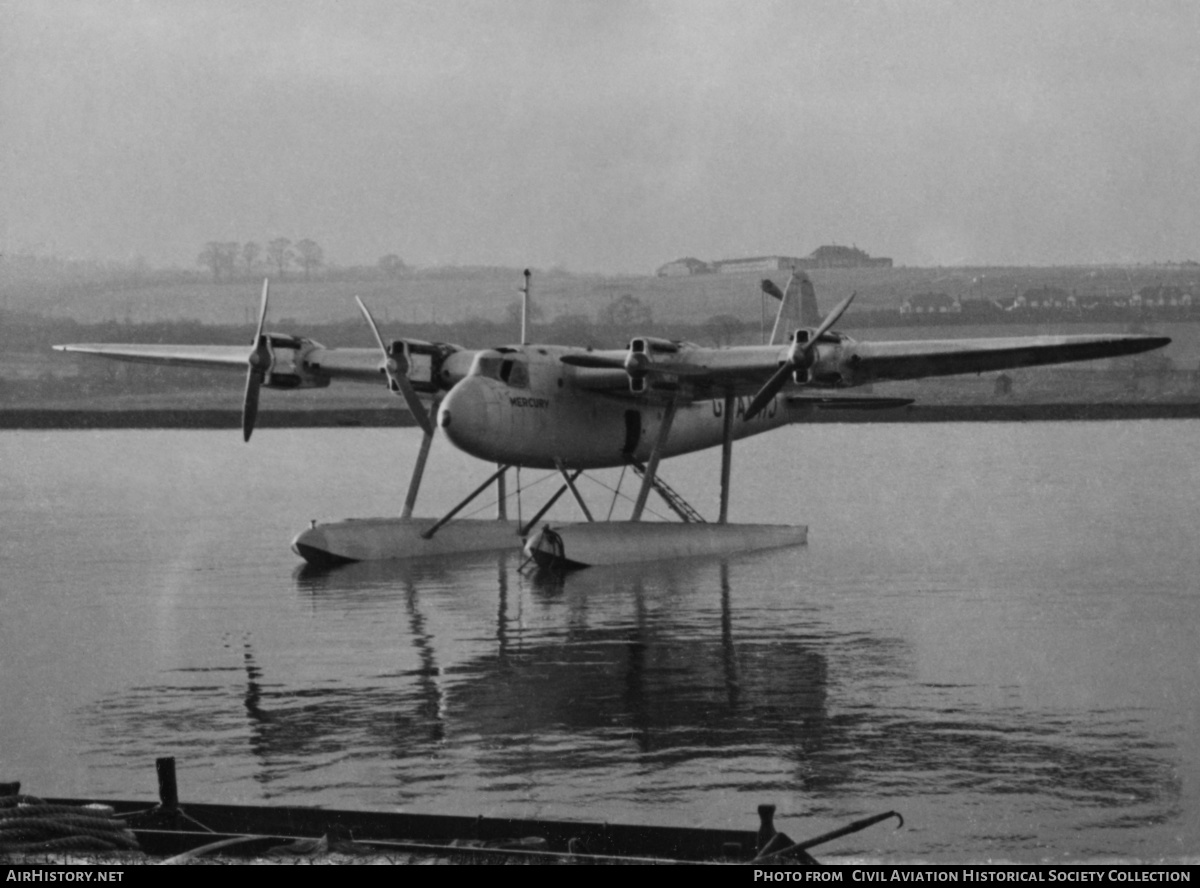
(453, 296)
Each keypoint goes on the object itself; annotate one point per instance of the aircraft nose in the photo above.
(463, 416)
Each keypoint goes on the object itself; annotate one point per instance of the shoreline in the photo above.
(46, 419)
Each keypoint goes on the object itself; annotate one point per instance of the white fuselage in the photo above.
(532, 413)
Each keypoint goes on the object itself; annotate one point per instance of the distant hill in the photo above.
(452, 295)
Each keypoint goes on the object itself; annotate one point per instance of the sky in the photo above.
(603, 135)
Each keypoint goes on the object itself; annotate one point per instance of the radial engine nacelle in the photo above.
(824, 363)
(288, 367)
(638, 360)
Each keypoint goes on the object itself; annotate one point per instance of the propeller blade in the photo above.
(371, 323)
(830, 320)
(254, 380)
(415, 407)
(262, 311)
(768, 391)
(780, 377)
(260, 362)
(397, 378)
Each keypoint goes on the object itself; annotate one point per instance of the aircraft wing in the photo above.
(698, 373)
(301, 363)
(355, 364)
(864, 362)
(177, 355)
(312, 365)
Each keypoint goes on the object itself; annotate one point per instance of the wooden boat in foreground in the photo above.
(169, 829)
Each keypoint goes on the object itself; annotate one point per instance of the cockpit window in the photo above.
(494, 365)
(515, 373)
(487, 366)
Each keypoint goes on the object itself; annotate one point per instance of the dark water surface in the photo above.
(992, 630)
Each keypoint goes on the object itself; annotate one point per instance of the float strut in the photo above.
(414, 483)
(574, 491)
(528, 526)
(428, 535)
(664, 430)
(726, 458)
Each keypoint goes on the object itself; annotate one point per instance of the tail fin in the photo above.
(810, 312)
(799, 294)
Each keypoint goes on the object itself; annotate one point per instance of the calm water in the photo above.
(992, 630)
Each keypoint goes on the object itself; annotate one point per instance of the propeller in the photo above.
(396, 367)
(260, 364)
(637, 365)
(800, 357)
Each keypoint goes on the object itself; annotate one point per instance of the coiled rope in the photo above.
(29, 825)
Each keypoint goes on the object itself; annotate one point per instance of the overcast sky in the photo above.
(603, 136)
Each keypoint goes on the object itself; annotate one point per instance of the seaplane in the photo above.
(569, 409)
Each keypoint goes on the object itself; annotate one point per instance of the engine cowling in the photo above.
(638, 360)
(288, 368)
(801, 358)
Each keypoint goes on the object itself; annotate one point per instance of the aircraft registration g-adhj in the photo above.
(570, 409)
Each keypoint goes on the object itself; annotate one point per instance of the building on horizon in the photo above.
(834, 256)
(686, 265)
(930, 303)
(757, 263)
(828, 256)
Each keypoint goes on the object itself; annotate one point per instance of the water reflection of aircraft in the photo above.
(607, 659)
(645, 681)
(598, 677)
(573, 409)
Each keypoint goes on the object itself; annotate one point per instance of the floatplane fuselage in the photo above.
(523, 407)
(573, 409)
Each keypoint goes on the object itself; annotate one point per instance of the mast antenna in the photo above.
(525, 308)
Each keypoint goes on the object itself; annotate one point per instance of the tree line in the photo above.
(226, 260)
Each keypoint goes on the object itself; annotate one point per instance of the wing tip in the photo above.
(1145, 343)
